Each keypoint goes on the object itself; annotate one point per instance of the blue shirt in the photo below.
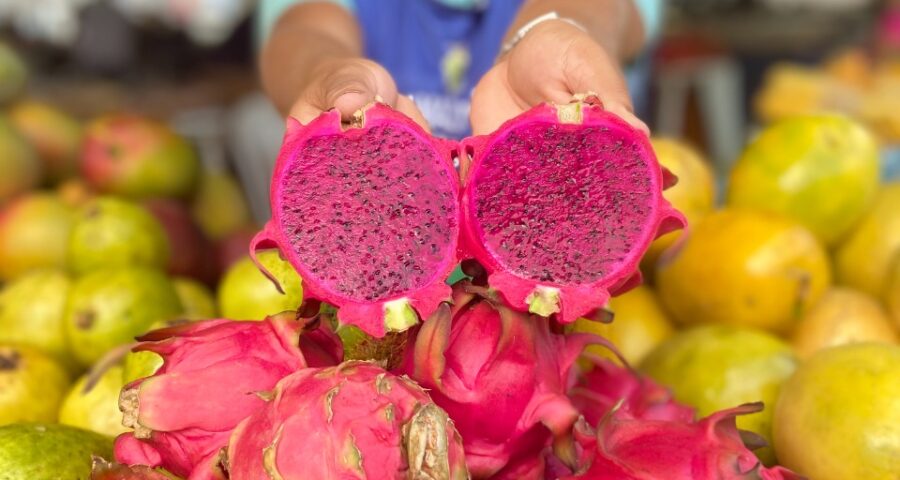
(438, 50)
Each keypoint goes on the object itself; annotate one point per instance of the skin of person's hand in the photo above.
(348, 85)
(554, 61)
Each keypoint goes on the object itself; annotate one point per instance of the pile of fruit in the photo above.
(764, 341)
(851, 82)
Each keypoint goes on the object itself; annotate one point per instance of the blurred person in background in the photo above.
(456, 66)
(888, 31)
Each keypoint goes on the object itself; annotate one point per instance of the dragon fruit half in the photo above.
(560, 204)
(354, 420)
(629, 448)
(501, 375)
(368, 216)
(215, 373)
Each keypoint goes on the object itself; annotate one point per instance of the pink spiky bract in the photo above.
(560, 204)
(215, 373)
(608, 386)
(629, 448)
(502, 377)
(368, 216)
(351, 421)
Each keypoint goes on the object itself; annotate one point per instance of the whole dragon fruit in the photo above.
(354, 420)
(629, 448)
(501, 375)
(214, 374)
(368, 216)
(103, 470)
(608, 386)
(560, 204)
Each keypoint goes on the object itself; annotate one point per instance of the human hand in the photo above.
(553, 62)
(348, 85)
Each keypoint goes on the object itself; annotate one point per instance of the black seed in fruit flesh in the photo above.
(562, 203)
(359, 208)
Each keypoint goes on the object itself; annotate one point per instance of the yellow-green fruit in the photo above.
(746, 268)
(20, 168)
(108, 308)
(842, 316)
(866, 257)
(13, 73)
(140, 365)
(246, 294)
(197, 300)
(32, 385)
(716, 367)
(54, 135)
(32, 309)
(75, 193)
(34, 232)
(136, 157)
(639, 325)
(694, 195)
(219, 206)
(110, 232)
(893, 295)
(49, 452)
(145, 363)
(93, 403)
(838, 417)
(820, 170)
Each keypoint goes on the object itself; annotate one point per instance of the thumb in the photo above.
(353, 85)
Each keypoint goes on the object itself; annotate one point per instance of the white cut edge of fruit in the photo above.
(399, 316)
(570, 113)
(543, 301)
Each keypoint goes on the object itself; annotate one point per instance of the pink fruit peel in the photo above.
(629, 448)
(351, 421)
(215, 373)
(500, 374)
(560, 204)
(608, 385)
(367, 215)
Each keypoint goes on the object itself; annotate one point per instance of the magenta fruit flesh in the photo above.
(368, 216)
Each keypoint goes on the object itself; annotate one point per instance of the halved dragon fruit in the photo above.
(559, 204)
(368, 216)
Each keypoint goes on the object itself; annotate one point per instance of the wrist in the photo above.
(548, 22)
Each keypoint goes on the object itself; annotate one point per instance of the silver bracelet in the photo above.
(520, 34)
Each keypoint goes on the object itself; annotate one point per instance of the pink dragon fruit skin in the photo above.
(560, 204)
(368, 216)
(629, 448)
(103, 470)
(502, 377)
(215, 373)
(352, 421)
(608, 386)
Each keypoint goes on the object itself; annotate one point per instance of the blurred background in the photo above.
(721, 68)
(136, 150)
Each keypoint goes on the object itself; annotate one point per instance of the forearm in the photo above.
(614, 24)
(304, 38)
